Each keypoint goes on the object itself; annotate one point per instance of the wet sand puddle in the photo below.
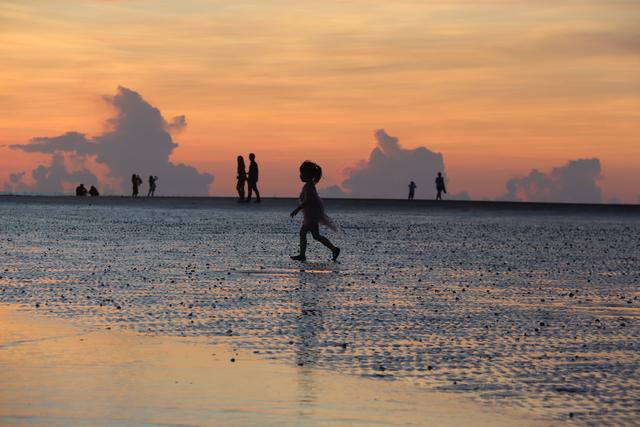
(530, 312)
(68, 375)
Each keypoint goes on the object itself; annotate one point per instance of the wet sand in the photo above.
(534, 311)
(61, 373)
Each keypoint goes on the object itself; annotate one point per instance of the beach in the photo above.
(525, 312)
(61, 373)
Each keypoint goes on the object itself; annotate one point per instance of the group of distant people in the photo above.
(81, 190)
(249, 179)
(310, 203)
(244, 179)
(136, 182)
(440, 188)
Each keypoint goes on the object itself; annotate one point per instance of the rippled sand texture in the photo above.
(54, 373)
(537, 312)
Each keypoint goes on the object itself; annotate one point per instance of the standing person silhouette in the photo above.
(136, 181)
(252, 178)
(242, 178)
(412, 190)
(440, 186)
(152, 185)
(310, 203)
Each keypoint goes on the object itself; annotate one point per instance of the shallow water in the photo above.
(54, 372)
(535, 312)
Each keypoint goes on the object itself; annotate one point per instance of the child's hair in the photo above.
(310, 171)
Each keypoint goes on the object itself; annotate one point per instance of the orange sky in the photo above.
(499, 87)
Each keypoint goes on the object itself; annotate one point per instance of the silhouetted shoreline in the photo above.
(337, 203)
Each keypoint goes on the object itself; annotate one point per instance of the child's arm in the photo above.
(298, 209)
(303, 202)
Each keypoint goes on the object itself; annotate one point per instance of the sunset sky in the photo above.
(497, 87)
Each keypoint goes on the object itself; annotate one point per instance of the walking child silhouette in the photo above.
(313, 209)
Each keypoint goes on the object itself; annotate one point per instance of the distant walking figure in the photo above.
(241, 178)
(412, 190)
(152, 185)
(81, 190)
(440, 186)
(310, 203)
(93, 191)
(136, 181)
(252, 178)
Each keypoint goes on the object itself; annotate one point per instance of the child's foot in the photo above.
(298, 257)
(336, 253)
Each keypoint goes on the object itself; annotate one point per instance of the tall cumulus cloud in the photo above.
(388, 171)
(574, 182)
(138, 140)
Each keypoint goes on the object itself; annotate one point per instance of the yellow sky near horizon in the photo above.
(499, 87)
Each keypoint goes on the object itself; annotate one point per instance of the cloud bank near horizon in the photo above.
(138, 141)
(388, 171)
(574, 182)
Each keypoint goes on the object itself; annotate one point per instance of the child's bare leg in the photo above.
(303, 239)
(315, 232)
(303, 244)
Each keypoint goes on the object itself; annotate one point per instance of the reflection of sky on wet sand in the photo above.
(55, 374)
(537, 312)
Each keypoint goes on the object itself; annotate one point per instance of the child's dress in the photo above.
(313, 208)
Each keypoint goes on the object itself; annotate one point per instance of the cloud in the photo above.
(333, 192)
(16, 183)
(463, 195)
(574, 182)
(138, 140)
(614, 201)
(69, 142)
(50, 179)
(177, 124)
(389, 170)
(590, 43)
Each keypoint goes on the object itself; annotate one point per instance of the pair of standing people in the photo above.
(440, 188)
(250, 179)
(136, 182)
